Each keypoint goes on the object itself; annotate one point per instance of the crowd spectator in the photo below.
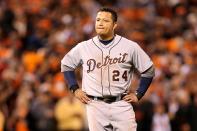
(161, 120)
(70, 114)
(2, 120)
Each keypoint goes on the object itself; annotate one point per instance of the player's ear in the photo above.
(115, 25)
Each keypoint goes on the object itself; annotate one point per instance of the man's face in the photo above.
(104, 25)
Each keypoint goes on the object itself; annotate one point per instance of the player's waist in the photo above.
(108, 99)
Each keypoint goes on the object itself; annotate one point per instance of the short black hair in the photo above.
(110, 10)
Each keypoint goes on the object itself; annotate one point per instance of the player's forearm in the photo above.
(69, 76)
(145, 81)
(71, 80)
(143, 86)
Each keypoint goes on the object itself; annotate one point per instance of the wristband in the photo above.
(74, 88)
(139, 95)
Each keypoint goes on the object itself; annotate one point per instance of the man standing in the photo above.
(108, 61)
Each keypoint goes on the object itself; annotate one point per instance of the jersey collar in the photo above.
(111, 44)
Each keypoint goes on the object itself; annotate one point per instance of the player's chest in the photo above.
(96, 58)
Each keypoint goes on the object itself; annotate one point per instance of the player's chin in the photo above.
(101, 33)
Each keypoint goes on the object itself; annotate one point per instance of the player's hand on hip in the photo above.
(130, 98)
(82, 96)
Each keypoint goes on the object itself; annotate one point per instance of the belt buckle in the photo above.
(108, 99)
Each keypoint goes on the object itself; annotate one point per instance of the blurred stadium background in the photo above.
(36, 34)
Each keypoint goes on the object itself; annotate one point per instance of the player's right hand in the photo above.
(79, 94)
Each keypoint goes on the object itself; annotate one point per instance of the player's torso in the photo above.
(107, 66)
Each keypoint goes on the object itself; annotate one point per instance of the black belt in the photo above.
(107, 99)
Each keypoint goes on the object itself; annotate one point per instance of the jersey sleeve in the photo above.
(140, 59)
(72, 59)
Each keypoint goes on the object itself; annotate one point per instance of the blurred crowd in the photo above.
(36, 34)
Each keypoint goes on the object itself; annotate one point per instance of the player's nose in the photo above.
(100, 23)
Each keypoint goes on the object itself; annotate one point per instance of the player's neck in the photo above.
(106, 42)
(106, 38)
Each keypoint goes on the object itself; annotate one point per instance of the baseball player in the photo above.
(108, 61)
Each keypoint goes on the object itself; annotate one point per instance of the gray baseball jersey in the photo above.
(107, 69)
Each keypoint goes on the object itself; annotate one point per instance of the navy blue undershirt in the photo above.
(106, 42)
(70, 78)
(143, 86)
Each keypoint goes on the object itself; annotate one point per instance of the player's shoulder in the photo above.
(128, 42)
(81, 44)
(85, 42)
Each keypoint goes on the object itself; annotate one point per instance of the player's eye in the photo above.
(106, 20)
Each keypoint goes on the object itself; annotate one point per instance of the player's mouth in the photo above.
(100, 28)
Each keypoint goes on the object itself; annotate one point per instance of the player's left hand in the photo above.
(130, 98)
